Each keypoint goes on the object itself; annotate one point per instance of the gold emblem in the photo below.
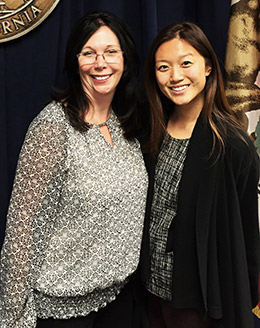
(18, 17)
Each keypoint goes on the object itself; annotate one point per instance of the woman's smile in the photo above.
(101, 78)
(179, 89)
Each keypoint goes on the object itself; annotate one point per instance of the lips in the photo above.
(101, 77)
(179, 88)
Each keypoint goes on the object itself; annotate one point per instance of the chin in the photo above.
(103, 90)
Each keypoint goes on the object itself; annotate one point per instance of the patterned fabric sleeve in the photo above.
(40, 162)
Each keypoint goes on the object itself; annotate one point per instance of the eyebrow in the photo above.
(107, 46)
(165, 60)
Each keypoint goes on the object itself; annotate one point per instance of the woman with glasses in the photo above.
(76, 214)
(200, 252)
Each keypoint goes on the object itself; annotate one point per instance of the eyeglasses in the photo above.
(110, 56)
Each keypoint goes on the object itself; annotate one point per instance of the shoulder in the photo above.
(240, 149)
(53, 112)
(51, 122)
(51, 116)
(239, 142)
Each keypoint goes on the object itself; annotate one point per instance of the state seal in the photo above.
(18, 17)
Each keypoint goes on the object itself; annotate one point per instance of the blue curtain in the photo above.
(32, 64)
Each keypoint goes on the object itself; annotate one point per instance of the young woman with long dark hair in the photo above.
(200, 252)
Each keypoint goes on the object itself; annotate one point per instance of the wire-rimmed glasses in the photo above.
(110, 56)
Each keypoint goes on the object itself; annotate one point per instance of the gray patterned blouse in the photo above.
(74, 223)
(164, 207)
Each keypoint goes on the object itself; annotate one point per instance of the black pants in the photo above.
(162, 314)
(123, 312)
(80, 322)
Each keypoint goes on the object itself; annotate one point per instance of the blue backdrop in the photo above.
(32, 64)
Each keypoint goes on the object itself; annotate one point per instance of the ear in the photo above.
(208, 70)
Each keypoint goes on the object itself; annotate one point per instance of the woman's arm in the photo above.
(248, 197)
(40, 162)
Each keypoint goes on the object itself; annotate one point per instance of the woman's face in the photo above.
(101, 77)
(181, 73)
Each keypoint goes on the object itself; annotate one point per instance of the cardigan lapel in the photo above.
(144, 265)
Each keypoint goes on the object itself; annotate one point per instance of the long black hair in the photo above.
(125, 101)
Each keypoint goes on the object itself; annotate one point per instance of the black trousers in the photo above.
(80, 322)
(124, 312)
(162, 314)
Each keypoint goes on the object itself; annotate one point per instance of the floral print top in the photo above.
(74, 223)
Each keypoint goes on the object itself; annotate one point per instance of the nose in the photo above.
(176, 74)
(100, 61)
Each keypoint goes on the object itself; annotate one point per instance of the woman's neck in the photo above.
(99, 110)
(182, 121)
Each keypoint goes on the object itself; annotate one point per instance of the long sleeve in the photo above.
(38, 174)
(247, 189)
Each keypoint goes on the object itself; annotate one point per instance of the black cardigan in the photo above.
(215, 236)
